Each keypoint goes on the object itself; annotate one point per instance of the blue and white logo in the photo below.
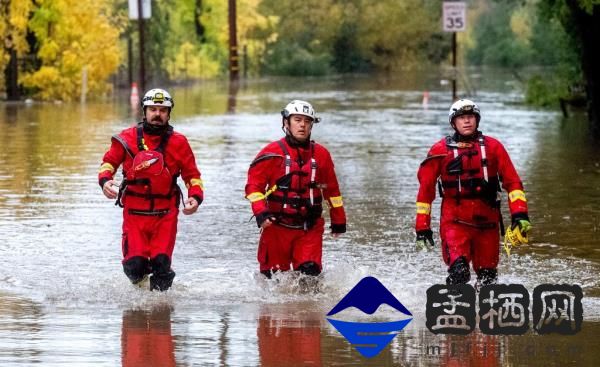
(369, 338)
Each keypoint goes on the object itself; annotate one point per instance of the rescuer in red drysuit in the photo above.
(153, 156)
(288, 182)
(468, 169)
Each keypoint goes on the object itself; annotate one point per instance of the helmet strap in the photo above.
(283, 128)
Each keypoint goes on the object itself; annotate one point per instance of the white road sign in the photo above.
(454, 16)
(146, 9)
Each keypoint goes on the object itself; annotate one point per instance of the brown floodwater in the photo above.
(65, 301)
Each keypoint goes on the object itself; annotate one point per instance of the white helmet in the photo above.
(157, 97)
(298, 107)
(464, 107)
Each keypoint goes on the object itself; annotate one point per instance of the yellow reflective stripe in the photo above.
(516, 195)
(270, 191)
(197, 182)
(336, 201)
(106, 167)
(423, 208)
(255, 196)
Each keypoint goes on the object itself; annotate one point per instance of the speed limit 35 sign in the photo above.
(454, 16)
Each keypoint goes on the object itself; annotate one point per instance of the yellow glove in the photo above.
(517, 234)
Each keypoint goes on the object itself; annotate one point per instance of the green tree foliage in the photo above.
(581, 21)
(295, 60)
(299, 35)
(196, 43)
(517, 34)
(178, 46)
(393, 34)
(564, 34)
(253, 34)
(496, 42)
(193, 62)
(188, 39)
(314, 36)
(553, 47)
(73, 36)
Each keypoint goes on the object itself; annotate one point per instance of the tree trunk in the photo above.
(234, 71)
(200, 30)
(11, 77)
(588, 31)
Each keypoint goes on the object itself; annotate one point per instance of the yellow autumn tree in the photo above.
(254, 32)
(192, 62)
(187, 54)
(76, 38)
(14, 16)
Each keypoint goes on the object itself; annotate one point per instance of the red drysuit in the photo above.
(469, 173)
(151, 165)
(290, 184)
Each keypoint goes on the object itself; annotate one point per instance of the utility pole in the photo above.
(234, 69)
(454, 20)
(141, 46)
(245, 50)
(454, 97)
(129, 59)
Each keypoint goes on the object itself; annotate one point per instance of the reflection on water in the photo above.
(288, 338)
(146, 338)
(19, 324)
(65, 295)
(234, 88)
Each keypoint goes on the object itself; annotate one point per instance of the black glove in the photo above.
(338, 228)
(260, 218)
(522, 221)
(425, 240)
